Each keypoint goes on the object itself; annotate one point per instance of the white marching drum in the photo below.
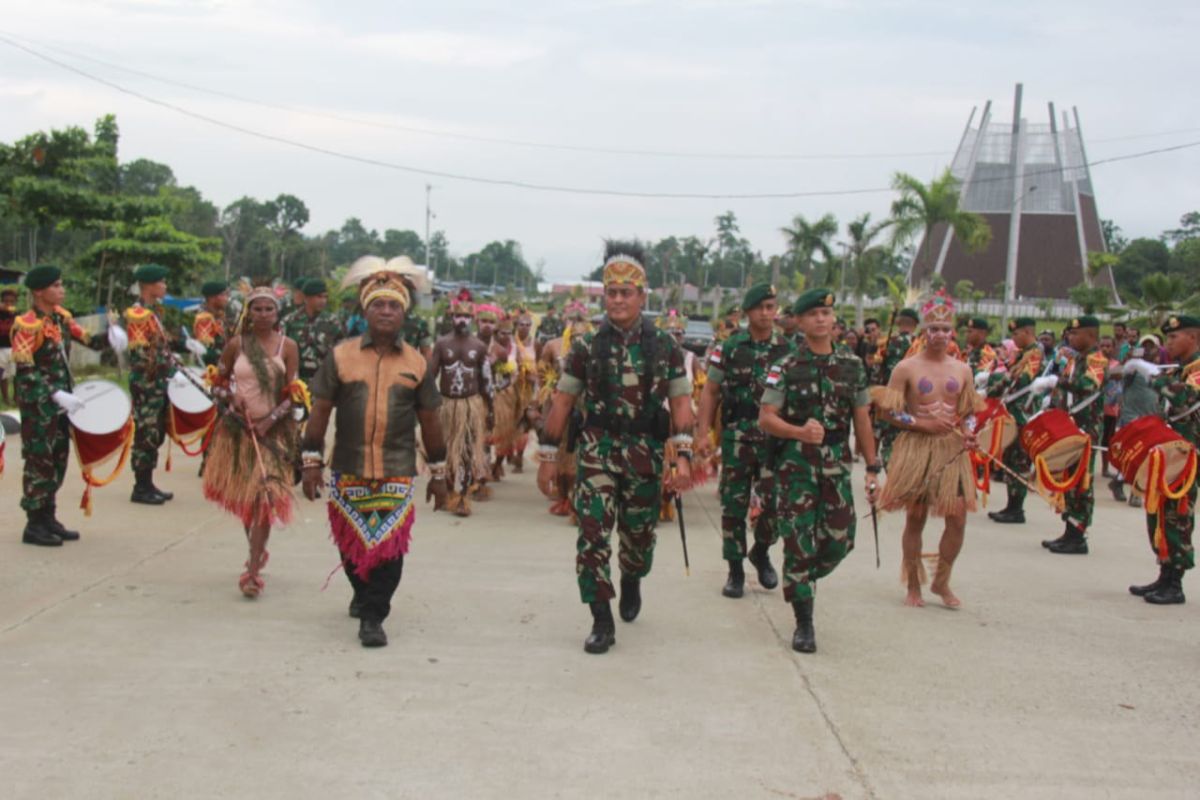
(187, 397)
(106, 408)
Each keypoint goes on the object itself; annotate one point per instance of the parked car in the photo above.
(698, 336)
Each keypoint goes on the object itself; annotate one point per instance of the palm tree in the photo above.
(1160, 295)
(919, 208)
(863, 258)
(805, 239)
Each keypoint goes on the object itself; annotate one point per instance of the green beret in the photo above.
(314, 287)
(150, 273)
(213, 288)
(1178, 322)
(1021, 322)
(908, 313)
(757, 294)
(1086, 321)
(42, 276)
(813, 298)
(979, 324)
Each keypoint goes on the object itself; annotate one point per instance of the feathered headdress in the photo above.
(364, 267)
(938, 309)
(672, 321)
(488, 312)
(623, 263)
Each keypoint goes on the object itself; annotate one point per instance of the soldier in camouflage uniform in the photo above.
(624, 373)
(810, 398)
(416, 331)
(41, 344)
(550, 327)
(1080, 394)
(209, 328)
(737, 374)
(151, 366)
(887, 356)
(1014, 387)
(314, 330)
(979, 355)
(1171, 536)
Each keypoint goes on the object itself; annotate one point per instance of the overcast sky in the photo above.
(741, 77)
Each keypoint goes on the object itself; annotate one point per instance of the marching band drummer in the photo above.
(41, 346)
(1014, 386)
(1181, 390)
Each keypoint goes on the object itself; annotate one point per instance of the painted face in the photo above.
(938, 336)
(462, 323)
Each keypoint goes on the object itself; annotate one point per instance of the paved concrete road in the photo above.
(130, 667)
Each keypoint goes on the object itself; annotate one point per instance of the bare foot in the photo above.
(913, 599)
(949, 599)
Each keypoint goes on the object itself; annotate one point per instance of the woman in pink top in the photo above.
(249, 471)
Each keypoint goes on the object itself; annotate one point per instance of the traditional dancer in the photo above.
(623, 372)
(550, 367)
(459, 365)
(1079, 392)
(249, 468)
(931, 399)
(811, 396)
(737, 375)
(371, 509)
(502, 356)
(41, 346)
(527, 386)
(1014, 386)
(151, 366)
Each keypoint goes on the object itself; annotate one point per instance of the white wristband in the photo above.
(682, 439)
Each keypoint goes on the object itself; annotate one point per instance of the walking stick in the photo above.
(875, 525)
(687, 567)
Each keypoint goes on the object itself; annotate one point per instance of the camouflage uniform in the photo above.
(549, 328)
(815, 503)
(981, 359)
(1181, 390)
(895, 351)
(41, 347)
(620, 456)
(738, 366)
(150, 367)
(1085, 378)
(314, 337)
(210, 332)
(1027, 367)
(416, 332)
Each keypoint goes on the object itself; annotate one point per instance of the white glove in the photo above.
(1043, 384)
(981, 380)
(196, 348)
(1143, 368)
(118, 340)
(67, 401)
(180, 380)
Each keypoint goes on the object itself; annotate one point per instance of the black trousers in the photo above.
(375, 593)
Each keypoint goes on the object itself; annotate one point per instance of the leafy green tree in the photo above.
(1141, 257)
(1189, 228)
(403, 243)
(806, 239)
(921, 207)
(1114, 239)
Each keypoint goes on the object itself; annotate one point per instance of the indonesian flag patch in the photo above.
(774, 375)
(715, 358)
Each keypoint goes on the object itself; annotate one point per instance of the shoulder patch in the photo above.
(715, 357)
(774, 375)
(137, 313)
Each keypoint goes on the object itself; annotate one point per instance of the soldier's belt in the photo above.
(620, 426)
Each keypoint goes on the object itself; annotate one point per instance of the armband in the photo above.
(547, 453)
(903, 417)
(437, 470)
(312, 458)
(874, 469)
(682, 440)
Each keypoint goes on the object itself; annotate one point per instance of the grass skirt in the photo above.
(234, 480)
(464, 424)
(508, 413)
(930, 470)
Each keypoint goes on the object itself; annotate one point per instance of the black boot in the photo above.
(356, 607)
(761, 560)
(144, 491)
(736, 581)
(1008, 507)
(631, 598)
(1142, 591)
(1118, 490)
(1073, 543)
(604, 630)
(371, 633)
(38, 532)
(164, 495)
(1170, 591)
(64, 533)
(1012, 514)
(804, 640)
(1062, 538)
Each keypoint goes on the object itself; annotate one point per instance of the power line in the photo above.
(519, 184)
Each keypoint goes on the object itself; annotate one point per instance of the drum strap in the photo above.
(1084, 403)
(1192, 409)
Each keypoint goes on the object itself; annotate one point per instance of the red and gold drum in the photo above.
(102, 430)
(1148, 445)
(1060, 451)
(191, 414)
(995, 427)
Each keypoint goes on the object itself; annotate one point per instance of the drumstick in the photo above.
(1000, 463)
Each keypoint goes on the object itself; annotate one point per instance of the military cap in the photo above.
(979, 324)
(813, 298)
(1021, 322)
(1178, 322)
(150, 273)
(756, 294)
(908, 313)
(213, 288)
(1086, 321)
(42, 276)
(313, 287)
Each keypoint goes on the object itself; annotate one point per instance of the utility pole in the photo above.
(428, 217)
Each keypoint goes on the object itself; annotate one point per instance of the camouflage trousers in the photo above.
(1080, 502)
(1016, 459)
(886, 437)
(744, 467)
(816, 522)
(1178, 529)
(45, 446)
(150, 421)
(619, 482)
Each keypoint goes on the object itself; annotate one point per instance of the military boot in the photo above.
(1073, 543)
(1012, 513)
(1142, 591)
(1170, 591)
(604, 629)
(64, 533)
(761, 560)
(630, 603)
(371, 633)
(356, 607)
(1118, 490)
(735, 583)
(1066, 531)
(144, 491)
(804, 640)
(38, 532)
